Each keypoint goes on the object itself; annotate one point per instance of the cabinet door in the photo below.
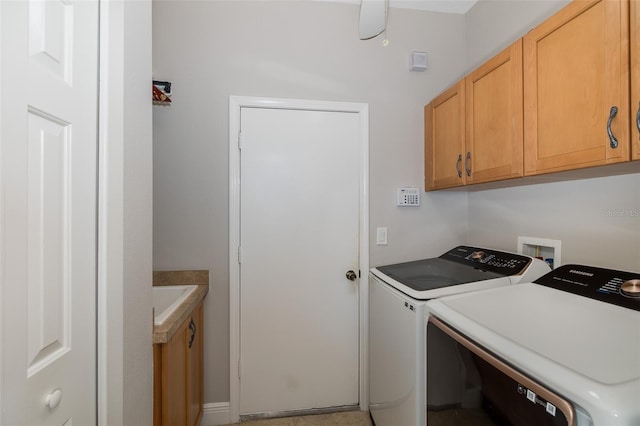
(576, 69)
(157, 384)
(444, 139)
(194, 369)
(178, 389)
(494, 118)
(174, 378)
(635, 79)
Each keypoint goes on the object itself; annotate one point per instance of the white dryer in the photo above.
(564, 350)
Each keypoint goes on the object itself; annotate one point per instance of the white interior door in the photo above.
(299, 229)
(48, 109)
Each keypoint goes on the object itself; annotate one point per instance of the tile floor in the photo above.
(345, 418)
(360, 418)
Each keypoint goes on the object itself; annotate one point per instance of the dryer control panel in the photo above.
(620, 288)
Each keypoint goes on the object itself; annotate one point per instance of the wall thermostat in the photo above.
(408, 197)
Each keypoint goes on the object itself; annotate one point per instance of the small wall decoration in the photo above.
(161, 93)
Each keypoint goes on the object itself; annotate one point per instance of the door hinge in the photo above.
(239, 254)
(239, 368)
(240, 141)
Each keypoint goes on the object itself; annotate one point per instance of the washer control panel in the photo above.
(502, 263)
(607, 285)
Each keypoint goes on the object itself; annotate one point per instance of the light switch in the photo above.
(381, 236)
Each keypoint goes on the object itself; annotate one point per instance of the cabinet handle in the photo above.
(613, 142)
(638, 118)
(467, 163)
(192, 327)
(458, 165)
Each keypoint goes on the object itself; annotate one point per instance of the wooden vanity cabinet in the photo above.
(576, 70)
(635, 78)
(178, 381)
(473, 131)
(195, 378)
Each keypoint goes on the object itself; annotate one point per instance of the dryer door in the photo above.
(507, 394)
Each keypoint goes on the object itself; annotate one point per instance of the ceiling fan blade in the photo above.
(373, 18)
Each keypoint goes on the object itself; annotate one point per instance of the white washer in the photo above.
(397, 297)
(564, 350)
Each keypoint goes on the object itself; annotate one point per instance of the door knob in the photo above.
(53, 399)
(351, 276)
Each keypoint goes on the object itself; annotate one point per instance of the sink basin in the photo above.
(167, 298)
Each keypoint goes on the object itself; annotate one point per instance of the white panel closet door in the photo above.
(299, 222)
(49, 56)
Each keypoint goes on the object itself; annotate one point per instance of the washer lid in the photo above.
(429, 274)
(460, 265)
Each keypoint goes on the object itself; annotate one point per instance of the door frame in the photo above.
(236, 103)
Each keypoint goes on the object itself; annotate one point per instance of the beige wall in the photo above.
(125, 234)
(213, 49)
(597, 219)
(137, 221)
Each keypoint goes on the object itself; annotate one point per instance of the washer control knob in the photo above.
(631, 288)
(477, 256)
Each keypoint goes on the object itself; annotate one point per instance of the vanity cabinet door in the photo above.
(635, 79)
(174, 378)
(178, 381)
(194, 368)
(444, 124)
(576, 88)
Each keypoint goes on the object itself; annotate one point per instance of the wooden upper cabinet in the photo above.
(635, 79)
(473, 131)
(576, 70)
(444, 133)
(494, 119)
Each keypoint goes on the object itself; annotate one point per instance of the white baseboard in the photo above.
(215, 413)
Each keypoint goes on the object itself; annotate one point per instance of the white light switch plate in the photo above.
(381, 236)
